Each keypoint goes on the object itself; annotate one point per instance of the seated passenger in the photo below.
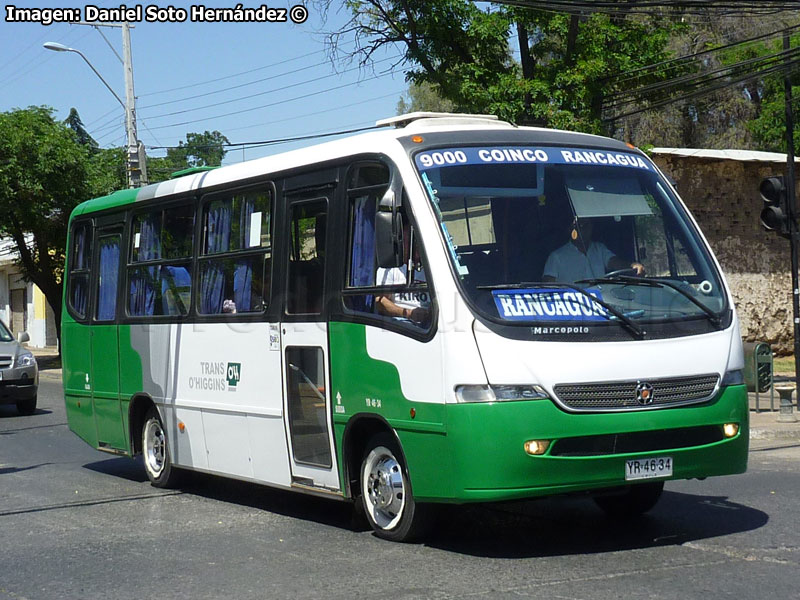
(582, 258)
(413, 305)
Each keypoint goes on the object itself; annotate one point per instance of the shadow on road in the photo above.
(9, 411)
(574, 525)
(123, 467)
(6, 470)
(548, 527)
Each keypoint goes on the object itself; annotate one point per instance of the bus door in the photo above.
(304, 345)
(105, 339)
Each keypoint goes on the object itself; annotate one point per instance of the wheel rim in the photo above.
(383, 488)
(154, 447)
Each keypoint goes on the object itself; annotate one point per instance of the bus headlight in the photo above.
(733, 378)
(499, 393)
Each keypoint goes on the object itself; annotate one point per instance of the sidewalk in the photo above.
(48, 360)
(764, 423)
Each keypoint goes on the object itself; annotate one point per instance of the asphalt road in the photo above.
(77, 523)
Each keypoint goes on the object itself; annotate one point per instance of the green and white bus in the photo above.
(448, 309)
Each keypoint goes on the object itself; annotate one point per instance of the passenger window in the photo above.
(399, 295)
(163, 239)
(80, 266)
(307, 258)
(235, 268)
(107, 278)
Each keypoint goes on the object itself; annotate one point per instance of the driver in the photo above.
(582, 258)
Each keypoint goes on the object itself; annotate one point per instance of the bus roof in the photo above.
(389, 130)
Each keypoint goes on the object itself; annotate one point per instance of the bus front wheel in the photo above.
(156, 453)
(386, 493)
(632, 501)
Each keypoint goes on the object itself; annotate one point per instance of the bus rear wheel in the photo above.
(386, 494)
(632, 501)
(155, 449)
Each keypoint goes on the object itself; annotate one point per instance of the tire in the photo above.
(27, 407)
(631, 501)
(386, 495)
(155, 450)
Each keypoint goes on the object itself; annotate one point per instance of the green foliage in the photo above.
(768, 127)
(106, 171)
(423, 97)
(463, 51)
(200, 150)
(43, 174)
(205, 149)
(74, 122)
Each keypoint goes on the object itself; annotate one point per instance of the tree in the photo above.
(734, 114)
(205, 149)
(74, 122)
(423, 97)
(43, 172)
(567, 63)
(106, 171)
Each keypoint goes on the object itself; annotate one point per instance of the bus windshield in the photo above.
(551, 234)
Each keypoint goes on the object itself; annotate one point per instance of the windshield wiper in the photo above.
(710, 314)
(630, 325)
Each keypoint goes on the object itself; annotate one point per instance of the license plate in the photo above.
(648, 468)
(1, 376)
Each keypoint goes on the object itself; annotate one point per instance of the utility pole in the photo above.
(791, 215)
(137, 169)
(137, 160)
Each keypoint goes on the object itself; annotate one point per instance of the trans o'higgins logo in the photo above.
(234, 374)
(217, 376)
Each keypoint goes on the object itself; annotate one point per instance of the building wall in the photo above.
(723, 197)
(36, 317)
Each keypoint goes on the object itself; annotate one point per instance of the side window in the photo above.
(79, 269)
(304, 294)
(236, 257)
(400, 294)
(159, 272)
(107, 278)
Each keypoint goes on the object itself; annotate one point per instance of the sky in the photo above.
(251, 81)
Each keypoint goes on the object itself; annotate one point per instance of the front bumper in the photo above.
(481, 458)
(18, 384)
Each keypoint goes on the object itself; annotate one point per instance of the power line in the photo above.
(264, 93)
(678, 62)
(791, 68)
(245, 110)
(261, 68)
(318, 112)
(725, 8)
(756, 65)
(234, 87)
(262, 143)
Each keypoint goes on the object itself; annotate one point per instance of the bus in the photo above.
(447, 309)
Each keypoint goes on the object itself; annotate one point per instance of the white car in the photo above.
(19, 373)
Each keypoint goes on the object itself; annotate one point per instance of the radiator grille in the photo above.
(623, 395)
(5, 361)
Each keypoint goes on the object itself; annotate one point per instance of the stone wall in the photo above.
(723, 197)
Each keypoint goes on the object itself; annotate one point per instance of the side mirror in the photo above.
(389, 227)
(23, 337)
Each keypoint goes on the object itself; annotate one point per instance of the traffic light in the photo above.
(775, 214)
